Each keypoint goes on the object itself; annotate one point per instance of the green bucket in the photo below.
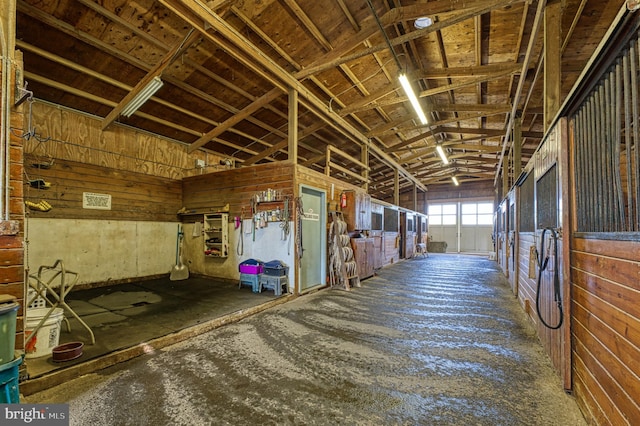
(9, 373)
(8, 312)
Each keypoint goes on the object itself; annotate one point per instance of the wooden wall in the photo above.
(65, 134)
(466, 191)
(515, 259)
(213, 191)
(605, 278)
(388, 243)
(526, 283)
(134, 196)
(309, 177)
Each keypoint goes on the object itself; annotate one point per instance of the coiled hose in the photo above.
(542, 265)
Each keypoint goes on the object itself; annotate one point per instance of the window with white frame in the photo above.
(477, 214)
(443, 214)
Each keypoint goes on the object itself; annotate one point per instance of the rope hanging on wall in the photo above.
(299, 216)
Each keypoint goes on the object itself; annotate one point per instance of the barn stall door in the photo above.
(551, 285)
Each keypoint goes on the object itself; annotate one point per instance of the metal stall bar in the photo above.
(608, 155)
(599, 154)
(636, 133)
(627, 137)
(617, 172)
(581, 169)
(590, 126)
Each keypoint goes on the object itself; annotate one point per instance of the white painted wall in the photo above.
(101, 250)
(104, 250)
(268, 245)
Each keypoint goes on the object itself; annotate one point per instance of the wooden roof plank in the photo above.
(327, 63)
(156, 71)
(243, 114)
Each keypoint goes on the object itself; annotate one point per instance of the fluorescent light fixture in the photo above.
(143, 96)
(455, 180)
(404, 81)
(423, 22)
(445, 160)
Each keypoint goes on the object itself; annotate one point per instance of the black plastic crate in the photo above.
(276, 268)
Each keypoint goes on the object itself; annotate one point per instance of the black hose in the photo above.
(542, 265)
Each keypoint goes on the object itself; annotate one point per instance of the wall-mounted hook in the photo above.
(21, 94)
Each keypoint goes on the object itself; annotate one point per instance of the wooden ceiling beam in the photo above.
(371, 102)
(101, 77)
(232, 121)
(196, 14)
(457, 107)
(308, 24)
(438, 123)
(326, 62)
(470, 131)
(347, 13)
(154, 72)
(520, 88)
(348, 73)
(283, 144)
(396, 15)
(111, 50)
(399, 148)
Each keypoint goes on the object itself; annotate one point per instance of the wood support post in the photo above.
(396, 187)
(552, 60)
(364, 158)
(517, 147)
(293, 126)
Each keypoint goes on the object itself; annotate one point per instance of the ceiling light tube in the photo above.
(455, 180)
(143, 96)
(441, 153)
(404, 81)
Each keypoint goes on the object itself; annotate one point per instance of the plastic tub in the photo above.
(47, 337)
(276, 268)
(251, 266)
(67, 352)
(9, 373)
(8, 312)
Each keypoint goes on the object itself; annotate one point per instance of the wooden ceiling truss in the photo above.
(315, 81)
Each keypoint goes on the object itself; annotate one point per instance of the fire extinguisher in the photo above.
(343, 200)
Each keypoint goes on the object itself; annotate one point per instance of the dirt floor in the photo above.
(429, 341)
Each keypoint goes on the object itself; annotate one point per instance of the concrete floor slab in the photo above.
(82, 307)
(435, 341)
(124, 316)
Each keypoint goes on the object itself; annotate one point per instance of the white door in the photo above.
(443, 225)
(465, 227)
(476, 226)
(313, 239)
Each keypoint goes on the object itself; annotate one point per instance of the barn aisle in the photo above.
(429, 341)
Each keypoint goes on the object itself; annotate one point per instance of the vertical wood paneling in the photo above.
(556, 342)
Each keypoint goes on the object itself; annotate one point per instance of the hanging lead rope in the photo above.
(240, 226)
(299, 215)
(284, 225)
(542, 265)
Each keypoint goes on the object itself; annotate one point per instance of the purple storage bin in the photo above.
(251, 266)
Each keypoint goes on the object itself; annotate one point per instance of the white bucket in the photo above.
(48, 336)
